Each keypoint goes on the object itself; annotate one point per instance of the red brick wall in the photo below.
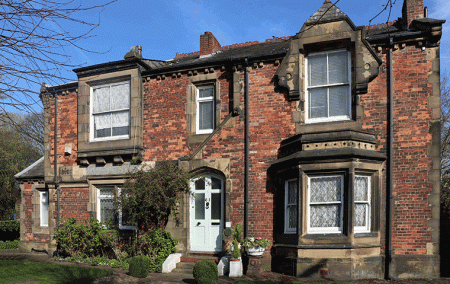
(67, 128)
(27, 211)
(165, 137)
(412, 9)
(270, 122)
(73, 203)
(411, 163)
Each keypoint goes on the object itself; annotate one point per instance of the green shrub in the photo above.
(205, 272)
(236, 254)
(139, 266)
(157, 244)
(84, 239)
(9, 244)
(9, 230)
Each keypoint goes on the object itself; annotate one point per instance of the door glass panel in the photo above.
(200, 184)
(216, 206)
(216, 183)
(200, 206)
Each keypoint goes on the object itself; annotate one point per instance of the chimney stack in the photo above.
(208, 43)
(412, 10)
(135, 52)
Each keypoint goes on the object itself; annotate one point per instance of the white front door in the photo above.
(206, 211)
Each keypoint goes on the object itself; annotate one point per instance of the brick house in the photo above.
(328, 139)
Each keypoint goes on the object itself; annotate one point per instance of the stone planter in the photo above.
(236, 269)
(256, 251)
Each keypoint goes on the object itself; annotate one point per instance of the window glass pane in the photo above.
(102, 125)
(360, 214)
(121, 123)
(292, 213)
(337, 67)
(206, 113)
(325, 216)
(292, 192)
(317, 70)
(339, 100)
(199, 206)
(44, 208)
(100, 99)
(318, 103)
(216, 183)
(205, 92)
(325, 189)
(106, 209)
(361, 188)
(200, 184)
(216, 206)
(120, 96)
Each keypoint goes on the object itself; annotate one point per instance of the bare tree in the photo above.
(33, 41)
(29, 127)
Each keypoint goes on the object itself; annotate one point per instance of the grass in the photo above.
(16, 271)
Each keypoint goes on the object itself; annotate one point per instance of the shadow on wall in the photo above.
(445, 240)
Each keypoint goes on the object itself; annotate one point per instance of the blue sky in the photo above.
(164, 27)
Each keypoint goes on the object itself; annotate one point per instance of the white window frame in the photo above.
(110, 196)
(101, 197)
(43, 207)
(366, 227)
(199, 100)
(325, 230)
(287, 206)
(92, 114)
(307, 88)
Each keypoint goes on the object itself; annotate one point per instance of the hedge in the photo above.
(9, 230)
(9, 244)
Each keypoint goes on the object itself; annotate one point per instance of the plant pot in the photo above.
(236, 269)
(256, 251)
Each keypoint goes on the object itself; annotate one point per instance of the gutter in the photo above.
(55, 163)
(246, 149)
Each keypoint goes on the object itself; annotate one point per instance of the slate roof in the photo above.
(272, 48)
(33, 171)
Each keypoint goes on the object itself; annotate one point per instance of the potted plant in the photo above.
(236, 261)
(255, 247)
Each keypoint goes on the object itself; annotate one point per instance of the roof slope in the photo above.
(35, 170)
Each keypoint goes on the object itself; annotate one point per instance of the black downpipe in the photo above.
(246, 151)
(389, 195)
(55, 164)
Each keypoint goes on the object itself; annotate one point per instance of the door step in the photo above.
(187, 262)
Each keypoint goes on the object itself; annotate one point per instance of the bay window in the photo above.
(290, 209)
(362, 204)
(328, 94)
(325, 207)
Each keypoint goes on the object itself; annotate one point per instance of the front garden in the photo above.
(19, 271)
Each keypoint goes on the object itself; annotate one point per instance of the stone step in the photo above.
(187, 263)
(184, 267)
